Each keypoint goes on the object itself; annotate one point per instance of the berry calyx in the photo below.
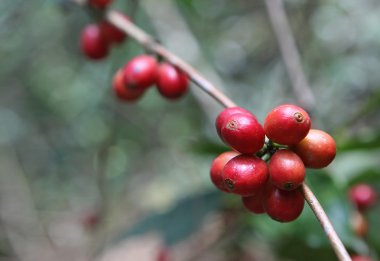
(317, 150)
(363, 196)
(243, 133)
(245, 175)
(254, 204)
(227, 113)
(283, 206)
(171, 82)
(92, 42)
(217, 166)
(111, 33)
(122, 91)
(287, 124)
(286, 170)
(101, 4)
(140, 72)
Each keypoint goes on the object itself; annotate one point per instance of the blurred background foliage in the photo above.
(144, 166)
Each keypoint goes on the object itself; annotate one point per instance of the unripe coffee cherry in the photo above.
(171, 82)
(359, 224)
(92, 42)
(226, 113)
(361, 258)
(140, 72)
(286, 170)
(243, 133)
(363, 196)
(245, 175)
(217, 166)
(317, 149)
(111, 33)
(287, 124)
(283, 206)
(254, 203)
(122, 91)
(101, 4)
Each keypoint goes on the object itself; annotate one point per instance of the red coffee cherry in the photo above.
(226, 113)
(171, 82)
(101, 4)
(363, 196)
(287, 124)
(243, 133)
(286, 170)
(111, 33)
(122, 91)
(283, 206)
(245, 175)
(217, 168)
(92, 42)
(317, 149)
(254, 203)
(361, 258)
(140, 72)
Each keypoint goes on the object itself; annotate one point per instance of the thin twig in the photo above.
(150, 44)
(290, 54)
(335, 241)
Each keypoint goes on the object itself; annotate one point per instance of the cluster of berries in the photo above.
(96, 39)
(268, 173)
(131, 81)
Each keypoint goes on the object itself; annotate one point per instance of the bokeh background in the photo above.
(84, 176)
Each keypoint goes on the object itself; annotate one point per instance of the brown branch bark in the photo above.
(290, 54)
(150, 44)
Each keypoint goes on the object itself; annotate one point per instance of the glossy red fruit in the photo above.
(243, 133)
(317, 149)
(122, 91)
(92, 42)
(254, 203)
(171, 82)
(287, 124)
(283, 206)
(361, 258)
(363, 196)
(286, 170)
(227, 113)
(140, 72)
(245, 175)
(217, 168)
(111, 33)
(101, 4)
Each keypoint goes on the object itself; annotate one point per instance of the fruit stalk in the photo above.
(150, 44)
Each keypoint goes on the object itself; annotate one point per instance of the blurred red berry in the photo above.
(111, 33)
(101, 4)
(217, 168)
(92, 42)
(140, 72)
(361, 258)
(122, 91)
(254, 203)
(171, 82)
(363, 196)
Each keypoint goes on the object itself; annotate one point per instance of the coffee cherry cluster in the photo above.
(97, 39)
(267, 174)
(142, 72)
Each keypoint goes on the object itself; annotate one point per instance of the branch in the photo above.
(290, 54)
(335, 241)
(149, 43)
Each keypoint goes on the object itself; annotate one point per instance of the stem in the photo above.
(149, 43)
(335, 241)
(290, 54)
